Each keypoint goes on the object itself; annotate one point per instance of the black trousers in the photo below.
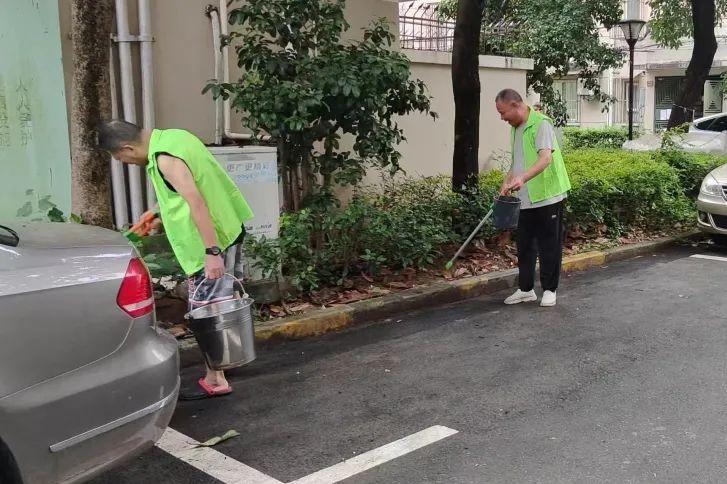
(540, 233)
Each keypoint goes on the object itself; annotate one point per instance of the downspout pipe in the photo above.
(128, 100)
(214, 16)
(118, 178)
(147, 79)
(223, 23)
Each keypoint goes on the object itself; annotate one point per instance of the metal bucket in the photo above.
(224, 331)
(505, 212)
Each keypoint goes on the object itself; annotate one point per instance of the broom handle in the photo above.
(472, 236)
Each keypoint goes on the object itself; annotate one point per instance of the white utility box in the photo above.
(255, 171)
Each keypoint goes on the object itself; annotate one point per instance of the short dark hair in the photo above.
(508, 95)
(113, 135)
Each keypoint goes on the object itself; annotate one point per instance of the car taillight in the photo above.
(135, 296)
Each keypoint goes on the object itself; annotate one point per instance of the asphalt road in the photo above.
(623, 381)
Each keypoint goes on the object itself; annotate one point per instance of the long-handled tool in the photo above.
(469, 239)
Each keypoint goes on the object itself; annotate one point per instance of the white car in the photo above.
(716, 123)
(705, 135)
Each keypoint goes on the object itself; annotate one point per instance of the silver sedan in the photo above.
(712, 205)
(86, 378)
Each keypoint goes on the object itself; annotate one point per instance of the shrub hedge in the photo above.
(409, 222)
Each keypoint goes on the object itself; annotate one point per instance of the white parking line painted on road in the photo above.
(376, 457)
(230, 471)
(708, 257)
(210, 461)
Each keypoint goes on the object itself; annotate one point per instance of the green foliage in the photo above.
(671, 138)
(402, 224)
(43, 209)
(306, 87)
(671, 20)
(561, 36)
(691, 168)
(409, 223)
(621, 189)
(609, 138)
(159, 257)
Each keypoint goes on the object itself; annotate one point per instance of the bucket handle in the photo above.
(244, 293)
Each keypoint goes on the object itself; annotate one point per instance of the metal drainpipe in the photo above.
(214, 15)
(223, 21)
(147, 79)
(118, 178)
(128, 100)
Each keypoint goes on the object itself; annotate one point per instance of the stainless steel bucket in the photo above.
(224, 331)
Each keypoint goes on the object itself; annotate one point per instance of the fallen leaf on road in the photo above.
(216, 440)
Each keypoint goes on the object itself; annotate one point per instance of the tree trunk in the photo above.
(705, 46)
(466, 89)
(91, 22)
(295, 183)
(306, 173)
(286, 176)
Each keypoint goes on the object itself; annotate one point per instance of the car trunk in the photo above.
(58, 309)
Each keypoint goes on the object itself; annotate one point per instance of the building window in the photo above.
(568, 90)
(631, 9)
(622, 103)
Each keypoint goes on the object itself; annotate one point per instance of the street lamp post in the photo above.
(631, 30)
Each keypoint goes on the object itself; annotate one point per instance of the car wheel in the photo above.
(720, 240)
(9, 473)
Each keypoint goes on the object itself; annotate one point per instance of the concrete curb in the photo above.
(318, 322)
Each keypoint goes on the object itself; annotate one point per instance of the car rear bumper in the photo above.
(138, 433)
(712, 214)
(80, 424)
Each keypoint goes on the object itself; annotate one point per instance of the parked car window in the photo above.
(8, 236)
(704, 125)
(719, 124)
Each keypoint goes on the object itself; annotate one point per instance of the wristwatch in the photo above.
(214, 250)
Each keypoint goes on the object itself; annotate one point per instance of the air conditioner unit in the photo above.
(582, 90)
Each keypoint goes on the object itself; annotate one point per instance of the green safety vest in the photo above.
(227, 207)
(552, 181)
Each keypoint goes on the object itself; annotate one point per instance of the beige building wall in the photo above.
(430, 143)
(184, 60)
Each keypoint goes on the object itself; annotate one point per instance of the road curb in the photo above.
(321, 321)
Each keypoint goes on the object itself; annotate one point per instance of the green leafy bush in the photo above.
(410, 222)
(691, 168)
(579, 138)
(621, 189)
(400, 224)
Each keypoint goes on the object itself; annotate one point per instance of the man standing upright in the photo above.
(202, 210)
(539, 174)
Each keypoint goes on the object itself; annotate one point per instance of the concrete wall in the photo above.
(34, 148)
(183, 62)
(430, 144)
(183, 57)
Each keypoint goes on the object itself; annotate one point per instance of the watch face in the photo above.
(214, 251)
